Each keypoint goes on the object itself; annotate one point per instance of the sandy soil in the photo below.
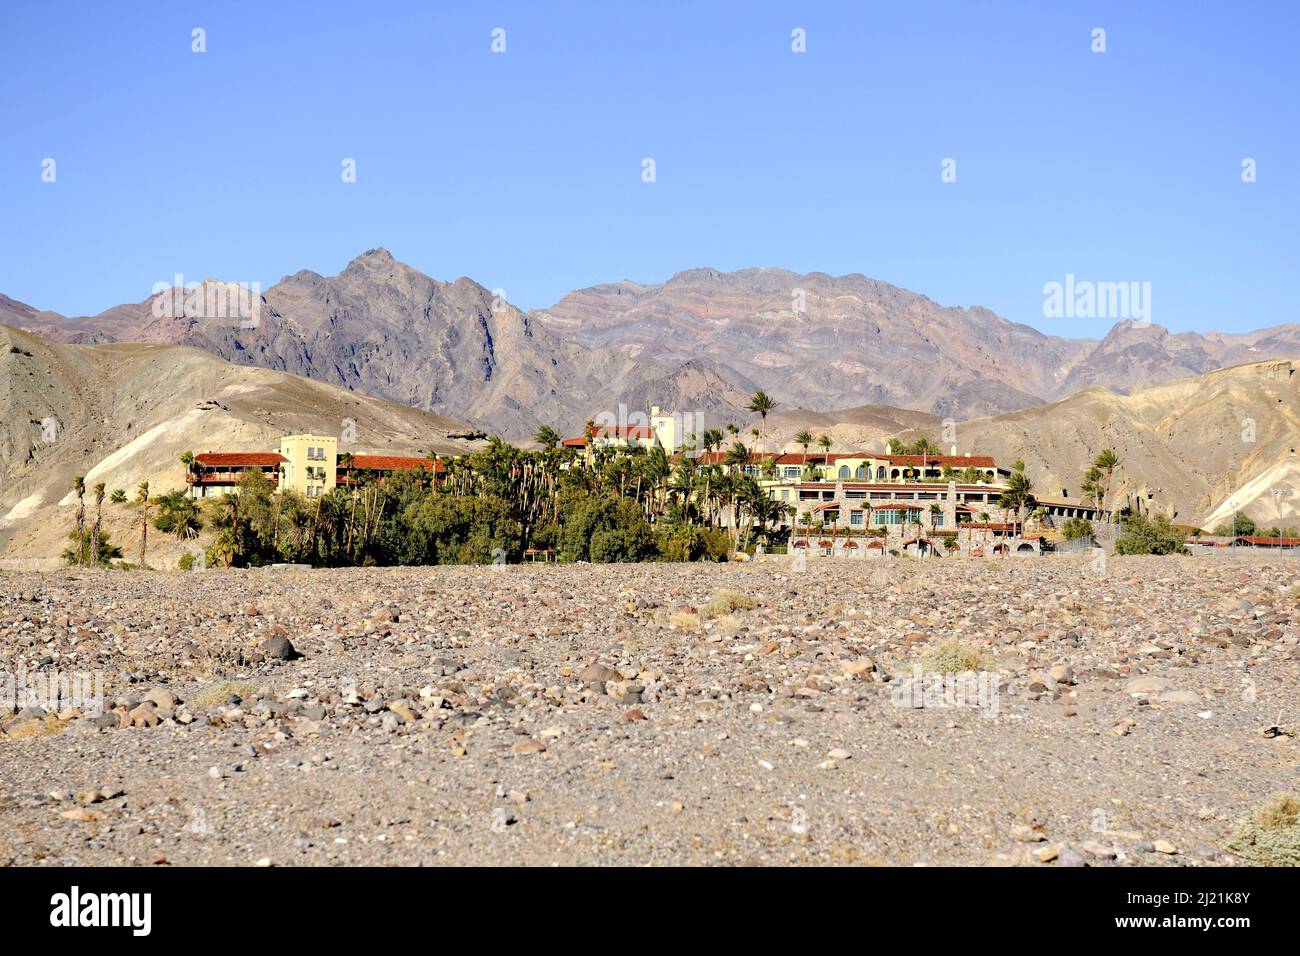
(453, 715)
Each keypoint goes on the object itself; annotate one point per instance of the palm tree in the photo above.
(1018, 493)
(99, 513)
(1105, 463)
(825, 442)
(118, 496)
(187, 462)
(547, 437)
(79, 486)
(142, 499)
(805, 439)
(178, 515)
(737, 457)
(716, 436)
(762, 403)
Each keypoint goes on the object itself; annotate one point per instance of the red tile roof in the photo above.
(390, 463)
(1271, 542)
(239, 459)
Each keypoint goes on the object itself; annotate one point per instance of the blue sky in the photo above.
(523, 169)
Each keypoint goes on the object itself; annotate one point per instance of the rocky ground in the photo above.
(621, 715)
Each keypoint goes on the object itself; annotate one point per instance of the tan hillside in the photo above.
(1185, 443)
(123, 413)
(865, 427)
(1185, 446)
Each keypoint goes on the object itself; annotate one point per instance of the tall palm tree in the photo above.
(1018, 493)
(99, 514)
(79, 486)
(712, 439)
(805, 439)
(1105, 463)
(142, 499)
(825, 442)
(227, 517)
(761, 403)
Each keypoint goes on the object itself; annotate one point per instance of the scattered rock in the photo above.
(279, 649)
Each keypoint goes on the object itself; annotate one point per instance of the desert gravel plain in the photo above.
(553, 714)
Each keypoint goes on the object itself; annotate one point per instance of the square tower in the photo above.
(311, 464)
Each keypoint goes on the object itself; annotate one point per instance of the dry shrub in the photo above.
(687, 620)
(215, 695)
(953, 657)
(725, 601)
(1269, 835)
(36, 727)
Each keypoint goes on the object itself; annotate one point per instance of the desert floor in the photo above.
(1128, 715)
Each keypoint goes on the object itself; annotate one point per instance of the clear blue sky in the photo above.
(523, 170)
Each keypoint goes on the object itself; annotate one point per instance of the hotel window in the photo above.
(785, 494)
(855, 519)
(887, 517)
(861, 472)
(938, 521)
(792, 472)
(844, 471)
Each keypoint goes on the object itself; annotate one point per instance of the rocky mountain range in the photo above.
(700, 342)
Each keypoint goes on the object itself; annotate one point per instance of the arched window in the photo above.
(893, 473)
(880, 472)
(844, 471)
(861, 472)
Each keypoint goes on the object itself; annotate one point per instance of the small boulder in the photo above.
(279, 649)
(598, 674)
